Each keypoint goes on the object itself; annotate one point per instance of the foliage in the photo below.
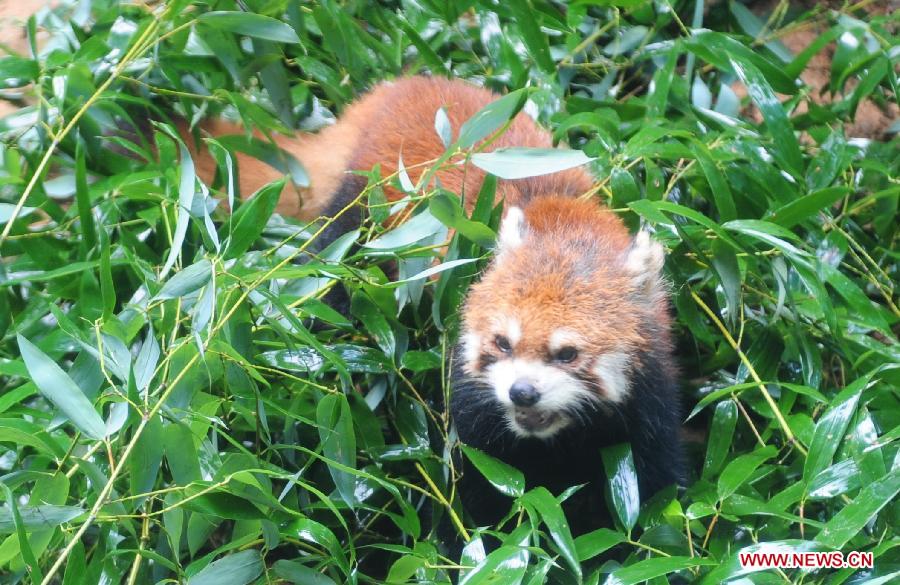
(170, 413)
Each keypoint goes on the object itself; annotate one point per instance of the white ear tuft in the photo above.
(512, 230)
(645, 259)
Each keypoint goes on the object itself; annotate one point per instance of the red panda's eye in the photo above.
(502, 344)
(566, 355)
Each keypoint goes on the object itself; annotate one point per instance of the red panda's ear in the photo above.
(645, 261)
(512, 230)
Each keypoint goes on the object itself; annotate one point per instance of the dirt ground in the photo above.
(871, 120)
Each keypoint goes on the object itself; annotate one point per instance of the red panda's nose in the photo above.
(523, 393)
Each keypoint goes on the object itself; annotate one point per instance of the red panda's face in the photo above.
(553, 327)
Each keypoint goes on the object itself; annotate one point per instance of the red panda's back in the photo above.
(401, 122)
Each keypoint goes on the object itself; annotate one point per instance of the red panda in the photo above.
(564, 344)
(393, 120)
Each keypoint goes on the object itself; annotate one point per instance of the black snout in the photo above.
(523, 393)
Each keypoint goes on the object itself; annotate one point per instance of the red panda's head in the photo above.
(558, 321)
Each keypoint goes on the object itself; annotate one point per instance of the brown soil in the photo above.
(870, 121)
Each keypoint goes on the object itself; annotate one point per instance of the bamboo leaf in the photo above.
(57, 387)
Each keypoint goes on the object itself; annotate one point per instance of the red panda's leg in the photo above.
(343, 221)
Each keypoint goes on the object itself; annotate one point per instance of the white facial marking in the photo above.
(471, 348)
(513, 331)
(512, 230)
(612, 370)
(561, 338)
(558, 391)
(646, 257)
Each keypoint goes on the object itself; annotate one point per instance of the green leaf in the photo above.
(428, 54)
(835, 480)
(338, 441)
(490, 118)
(527, 20)
(421, 361)
(830, 431)
(219, 504)
(725, 263)
(248, 222)
(755, 27)
(442, 127)
(376, 323)
(597, 542)
(658, 96)
(107, 287)
(429, 272)
(421, 226)
(316, 533)
(623, 484)
(236, 569)
(82, 199)
(145, 460)
(542, 502)
(24, 545)
(732, 568)
(868, 82)
(723, 51)
(721, 192)
(786, 148)
(507, 479)
(655, 567)
(7, 209)
(17, 72)
(767, 232)
(721, 432)
(306, 359)
(626, 40)
(187, 280)
(57, 387)
(739, 471)
(186, 191)
(792, 213)
(300, 574)
(505, 565)
(36, 518)
(182, 457)
(450, 213)
(251, 25)
(404, 568)
(624, 188)
(520, 162)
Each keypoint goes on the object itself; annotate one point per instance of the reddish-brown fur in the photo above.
(394, 119)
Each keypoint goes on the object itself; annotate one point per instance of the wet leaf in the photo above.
(548, 509)
(597, 542)
(623, 484)
(506, 478)
(739, 471)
